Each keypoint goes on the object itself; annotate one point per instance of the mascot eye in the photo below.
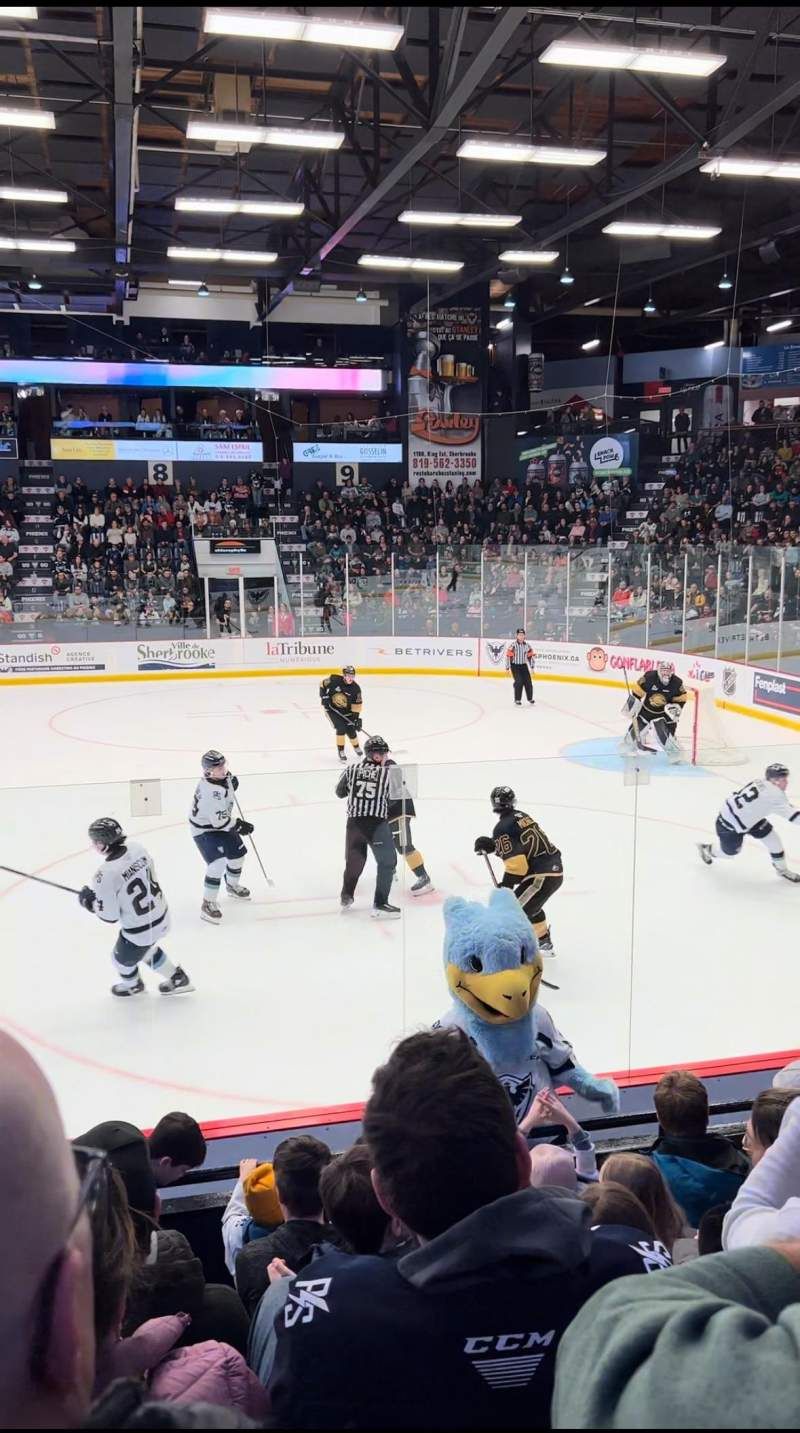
(525, 956)
(475, 963)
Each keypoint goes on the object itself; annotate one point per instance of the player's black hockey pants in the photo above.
(374, 834)
(533, 892)
(520, 671)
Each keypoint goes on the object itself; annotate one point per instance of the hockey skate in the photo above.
(345, 903)
(177, 984)
(705, 852)
(242, 892)
(546, 944)
(210, 911)
(123, 988)
(786, 873)
(386, 912)
(422, 885)
(342, 754)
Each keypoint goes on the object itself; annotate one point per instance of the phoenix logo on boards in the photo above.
(496, 652)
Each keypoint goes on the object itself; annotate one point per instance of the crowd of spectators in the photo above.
(448, 1270)
(149, 423)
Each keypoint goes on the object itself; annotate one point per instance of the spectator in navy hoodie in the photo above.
(462, 1332)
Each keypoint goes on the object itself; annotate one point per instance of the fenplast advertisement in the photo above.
(777, 692)
(446, 368)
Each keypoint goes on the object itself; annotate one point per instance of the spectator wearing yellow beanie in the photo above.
(252, 1210)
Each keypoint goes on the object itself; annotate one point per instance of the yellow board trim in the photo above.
(760, 716)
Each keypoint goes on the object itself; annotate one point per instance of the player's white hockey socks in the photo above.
(159, 961)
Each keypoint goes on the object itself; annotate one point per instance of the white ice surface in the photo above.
(660, 960)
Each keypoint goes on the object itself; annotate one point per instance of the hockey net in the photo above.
(709, 744)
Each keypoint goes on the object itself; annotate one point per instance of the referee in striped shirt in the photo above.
(519, 662)
(369, 786)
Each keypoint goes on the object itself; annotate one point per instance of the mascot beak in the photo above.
(499, 997)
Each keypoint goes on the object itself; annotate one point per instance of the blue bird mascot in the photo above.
(494, 970)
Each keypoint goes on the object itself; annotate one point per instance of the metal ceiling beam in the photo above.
(448, 63)
(724, 138)
(509, 19)
(122, 28)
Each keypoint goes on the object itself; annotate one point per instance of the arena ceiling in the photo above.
(124, 83)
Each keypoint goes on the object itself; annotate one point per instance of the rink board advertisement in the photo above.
(148, 450)
(446, 368)
(747, 689)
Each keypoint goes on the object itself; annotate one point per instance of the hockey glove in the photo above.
(87, 898)
(673, 711)
(244, 828)
(484, 846)
(235, 783)
(357, 722)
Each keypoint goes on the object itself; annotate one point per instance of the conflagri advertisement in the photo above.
(446, 367)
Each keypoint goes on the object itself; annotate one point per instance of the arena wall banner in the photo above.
(776, 692)
(148, 450)
(48, 659)
(573, 461)
(446, 368)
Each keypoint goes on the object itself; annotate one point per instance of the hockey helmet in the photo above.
(665, 670)
(776, 771)
(502, 798)
(375, 746)
(106, 832)
(349, 672)
(210, 759)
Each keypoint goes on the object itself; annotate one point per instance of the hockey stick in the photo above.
(398, 750)
(73, 891)
(496, 883)
(253, 844)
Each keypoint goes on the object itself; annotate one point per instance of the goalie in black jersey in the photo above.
(341, 700)
(533, 869)
(655, 703)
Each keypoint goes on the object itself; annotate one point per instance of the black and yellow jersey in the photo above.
(339, 696)
(656, 695)
(523, 846)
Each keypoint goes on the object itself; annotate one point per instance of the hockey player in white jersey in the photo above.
(125, 889)
(747, 812)
(218, 834)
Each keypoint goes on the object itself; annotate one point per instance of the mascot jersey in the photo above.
(538, 1061)
(494, 971)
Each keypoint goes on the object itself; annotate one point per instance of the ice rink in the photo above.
(660, 960)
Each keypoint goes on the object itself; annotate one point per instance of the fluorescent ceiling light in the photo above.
(529, 256)
(315, 30)
(27, 118)
(506, 323)
(461, 221)
(39, 246)
(226, 256)
(19, 12)
(227, 133)
(422, 266)
(33, 196)
(779, 324)
(629, 229)
(718, 343)
(184, 283)
(590, 344)
(589, 302)
(199, 204)
(595, 55)
(744, 168)
(511, 153)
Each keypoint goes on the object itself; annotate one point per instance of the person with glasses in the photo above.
(47, 1346)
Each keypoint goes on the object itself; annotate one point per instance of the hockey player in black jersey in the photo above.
(655, 703)
(341, 699)
(401, 811)
(533, 869)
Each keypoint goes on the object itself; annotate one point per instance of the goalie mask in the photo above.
(665, 670)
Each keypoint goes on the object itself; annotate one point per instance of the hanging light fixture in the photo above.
(361, 296)
(509, 302)
(649, 307)
(34, 283)
(202, 291)
(726, 282)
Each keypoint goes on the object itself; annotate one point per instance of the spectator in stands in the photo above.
(618, 1214)
(767, 1207)
(680, 426)
(208, 1372)
(700, 1167)
(644, 1179)
(494, 1256)
(176, 1145)
(253, 1210)
(298, 1163)
(548, 1109)
(47, 1355)
(712, 1344)
(171, 1279)
(351, 1207)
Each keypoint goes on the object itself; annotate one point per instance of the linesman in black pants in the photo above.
(368, 786)
(519, 662)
